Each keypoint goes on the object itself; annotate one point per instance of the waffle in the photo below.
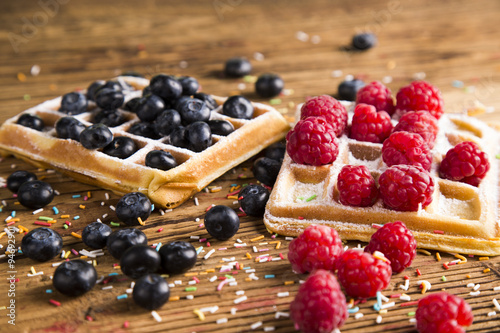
(165, 188)
(461, 218)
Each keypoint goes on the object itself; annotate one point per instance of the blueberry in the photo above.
(41, 244)
(208, 99)
(17, 178)
(120, 240)
(237, 67)
(160, 159)
(151, 291)
(364, 41)
(177, 257)
(198, 136)
(94, 86)
(167, 121)
(121, 147)
(276, 151)
(139, 260)
(266, 170)
(73, 103)
(189, 85)
(95, 235)
(74, 277)
(31, 121)
(192, 110)
(166, 86)
(220, 127)
(144, 129)
(35, 194)
(132, 206)
(96, 136)
(222, 222)
(115, 85)
(178, 137)
(149, 107)
(69, 128)
(253, 199)
(110, 118)
(349, 89)
(177, 104)
(132, 104)
(109, 98)
(238, 107)
(269, 85)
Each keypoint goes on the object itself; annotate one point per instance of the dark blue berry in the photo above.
(17, 178)
(109, 98)
(238, 107)
(139, 260)
(35, 194)
(269, 85)
(92, 89)
(198, 136)
(237, 67)
(95, 235)
(253, 199)
(276, 151)
(73, 103)
(69, 128)
(167, 121)
(120, 240)
(121, 147)
(41, 244)
(96, 136)
(178, 137)
(132, 104)
(110, 118)
(266, 170)
(149, 107)
(222, 222)
(132, 206)
(364, 41)
(177, 257)
(208, 99)
(31, 121)
(220, 127)
(189, 85)
(74, 277)
(115, 85)
(166, 86)
(349, 89)
(192, 110)
(144, 129)
(160, 159)
(177, 104)
(151, 291)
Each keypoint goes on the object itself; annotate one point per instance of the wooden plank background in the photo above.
(454, 44)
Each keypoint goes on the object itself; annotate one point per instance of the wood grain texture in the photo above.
(84, 41)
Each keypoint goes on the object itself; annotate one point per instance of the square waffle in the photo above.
(167, 189)
(461, 218)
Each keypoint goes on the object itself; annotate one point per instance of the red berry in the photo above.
(406, 148)
(361, 274)
(329, 108)
(396, 243)
(465, 163)
(356, 186)
(312, 141)
(378, 95)
(320, 305)
(318, 246)
(370, 125)
(406, 187)
(443, 312)
(420, 95)
(420, 122)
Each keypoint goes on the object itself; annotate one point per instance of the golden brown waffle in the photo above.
(165, 188)
(461, 218)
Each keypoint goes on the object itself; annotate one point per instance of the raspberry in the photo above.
(320, 305)
(329, 108)
(396, 243)
(378, 95)
(361, 274)
(443, 312)
(370, 125)
(318, 246)
(406, 187)
(312, 141)
(356, 186)
(420, 95)
(406, 148)
(466, 163)
(420, 122)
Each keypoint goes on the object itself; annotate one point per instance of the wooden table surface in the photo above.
(453, 44)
